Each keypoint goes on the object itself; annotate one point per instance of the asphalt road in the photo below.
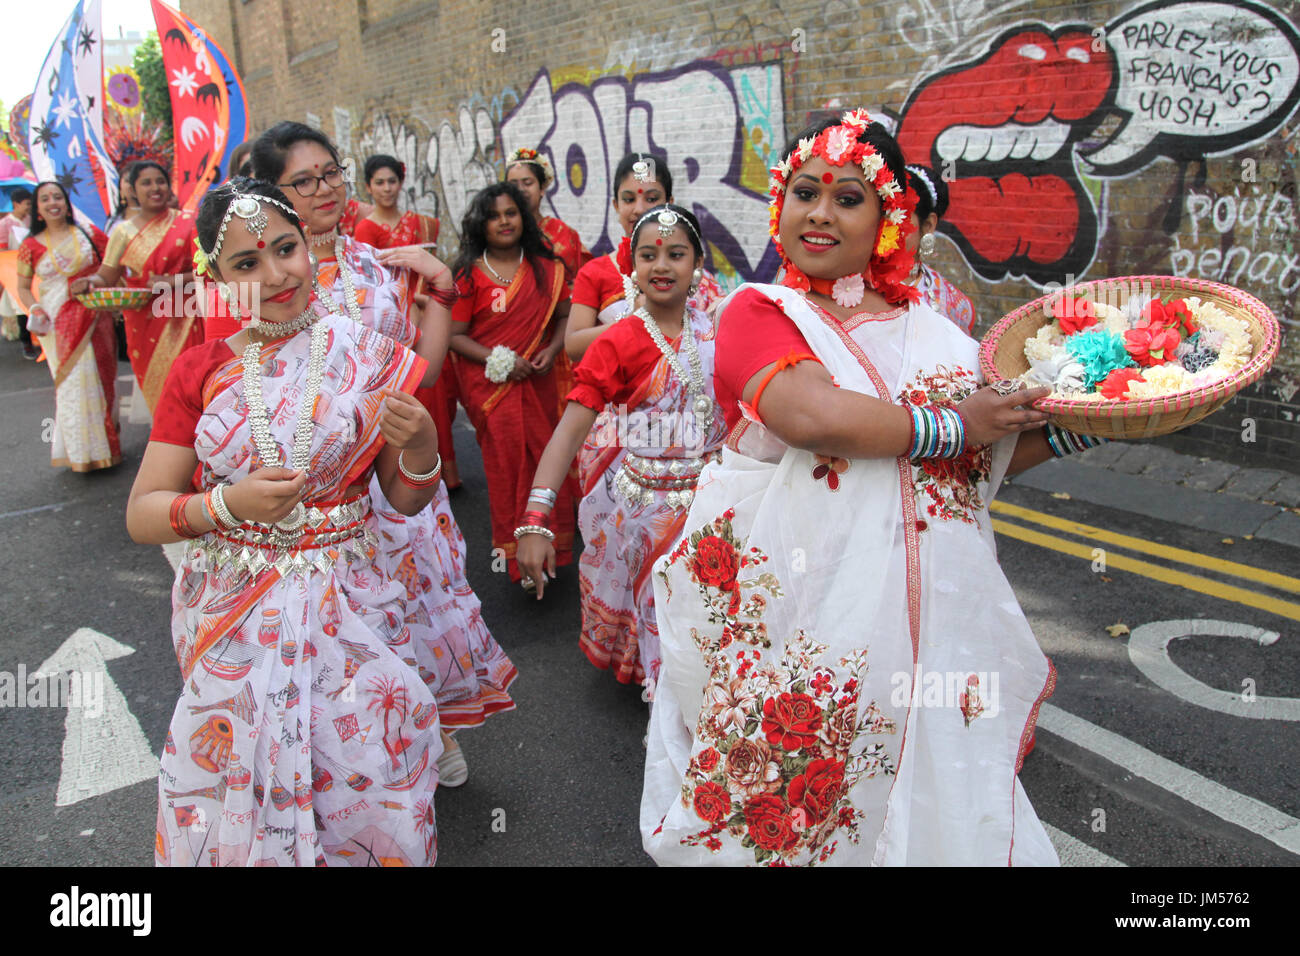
(563, 772)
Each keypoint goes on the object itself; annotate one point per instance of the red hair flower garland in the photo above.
(890, 262)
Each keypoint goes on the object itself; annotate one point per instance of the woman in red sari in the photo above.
(79, 343)
(386, 228)
(156, 246)
(531, 173)
(507, 331)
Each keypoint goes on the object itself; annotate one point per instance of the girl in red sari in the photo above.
(385, 228)
(156, 246)
(79, 343)
(657, 367)
(507, 331)
(531, 173)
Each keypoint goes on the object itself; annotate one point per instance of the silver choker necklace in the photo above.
(324, 238)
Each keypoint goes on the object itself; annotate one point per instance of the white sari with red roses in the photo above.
(801, 618)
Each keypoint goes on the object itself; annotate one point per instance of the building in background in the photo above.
(1080, 140)
(118, 49)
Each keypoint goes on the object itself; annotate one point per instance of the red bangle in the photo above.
(537, 518)
(179, 522)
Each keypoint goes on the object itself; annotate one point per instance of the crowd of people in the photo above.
(754, 477)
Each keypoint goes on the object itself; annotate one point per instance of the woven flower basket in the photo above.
(115, 298)
(1002, 356)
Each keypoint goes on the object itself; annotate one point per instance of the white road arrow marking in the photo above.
(1148, 649)
(105, 752)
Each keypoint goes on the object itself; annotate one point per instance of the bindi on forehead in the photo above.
(827, 178)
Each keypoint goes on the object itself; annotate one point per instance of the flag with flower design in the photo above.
(65, 137)
(200, 98)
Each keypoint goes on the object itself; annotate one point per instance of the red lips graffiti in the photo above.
(1009, 123)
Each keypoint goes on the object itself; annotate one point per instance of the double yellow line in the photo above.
(1122, 562)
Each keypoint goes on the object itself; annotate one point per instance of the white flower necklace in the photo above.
(701, 404)
(259, 419)
(496, 275)
(345, 277)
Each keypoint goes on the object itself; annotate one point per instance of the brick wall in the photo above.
(1200, 181)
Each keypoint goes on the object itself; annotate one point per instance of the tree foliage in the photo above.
(148, 63)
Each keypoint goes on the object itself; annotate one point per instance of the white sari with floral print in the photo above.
(847, 677)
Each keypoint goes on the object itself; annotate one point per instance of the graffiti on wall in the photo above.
(1025, 131)
(585, 126)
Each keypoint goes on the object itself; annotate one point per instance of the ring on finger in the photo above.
(1007, 386)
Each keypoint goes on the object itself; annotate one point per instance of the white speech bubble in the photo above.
(1198, 79)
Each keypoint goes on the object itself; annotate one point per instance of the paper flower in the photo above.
(1111, 318)
(1072, 379)
(849, 290)
(1074, 315)
(888, 241)
(1047, 369)
(1100, 352)
(1172, 315)
(1160, 380)
(1047, 338)
(500, 363)
(201, 263)
(1151, 342)
(1115, 385)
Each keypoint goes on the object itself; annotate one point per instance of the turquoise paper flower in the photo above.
(1100, 352)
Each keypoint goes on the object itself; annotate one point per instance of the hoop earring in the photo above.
(926, 245)
(315, 263)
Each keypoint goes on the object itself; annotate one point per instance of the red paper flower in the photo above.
(1151, 342)
(1074, 315)
(1175, 315)
(624, 256)
(1115, 385)
(791, 721)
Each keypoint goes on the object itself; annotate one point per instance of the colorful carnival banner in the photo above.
(65, 136)
(209, 117)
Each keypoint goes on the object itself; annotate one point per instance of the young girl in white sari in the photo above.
(840, 556)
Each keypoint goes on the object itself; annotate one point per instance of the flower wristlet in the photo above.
(937, 432)
(1064, 442)
(500, 363)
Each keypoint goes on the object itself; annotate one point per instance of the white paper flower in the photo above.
(500, 363)
(872, 163)
(838, 143)
(889, 190)
(848, 290)
(1071, 379)
(896, 216)
(805, 149)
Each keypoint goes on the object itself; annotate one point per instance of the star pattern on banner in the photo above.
(185, 81)
(44, 136)
(68, 179)
(86, 41)
(66, 111)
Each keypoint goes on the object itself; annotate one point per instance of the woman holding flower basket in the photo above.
(840, 560)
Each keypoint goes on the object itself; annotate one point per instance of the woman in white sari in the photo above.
(847, 677)
(79, 344)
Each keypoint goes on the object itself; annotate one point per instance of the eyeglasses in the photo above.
(309, 185)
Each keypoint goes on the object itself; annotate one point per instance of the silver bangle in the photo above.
(428, 476)
(225, 517)
(545, 496)
(534, 529)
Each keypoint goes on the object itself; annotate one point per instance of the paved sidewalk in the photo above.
(1201, 492)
